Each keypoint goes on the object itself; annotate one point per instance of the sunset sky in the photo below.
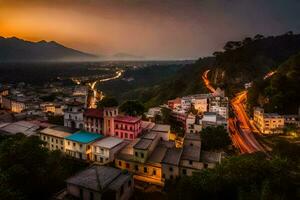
(165, 29)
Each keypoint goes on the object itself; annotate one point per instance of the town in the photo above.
(150, 150)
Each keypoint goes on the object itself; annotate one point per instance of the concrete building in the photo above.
(153, 112)
(174, 103)
(73, 115)
(213, 119)
(3, 92)
(104, 151)
(101, 183)
(268, 123)
(192, 124)
(54, 137)
(78, 145)
(127, 127)
(219, 104)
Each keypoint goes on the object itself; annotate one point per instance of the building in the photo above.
(174, 103)
(104, 151)
(153, 112)
(93, 120)
(54, 137)
(127, 127)
(3, 92)
(192, 124)
(100, 182)
(73, 115)
(219, 104)
(78, 145)
(268, 123)
(213, 119)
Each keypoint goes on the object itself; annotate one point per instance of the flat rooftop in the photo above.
(143, 144)
(127, 119)
(84, 137)
(55, 132)
(161, 128)
(172, 156)
(108, 142)
(95, 113)
(191, 153)
(150, 136)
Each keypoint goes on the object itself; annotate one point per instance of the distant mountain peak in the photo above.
(14, 49)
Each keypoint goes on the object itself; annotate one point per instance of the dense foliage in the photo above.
(132, 108)
(213, 138)
(28, 171)
(252, 176)
(107, 102)
(280, 93)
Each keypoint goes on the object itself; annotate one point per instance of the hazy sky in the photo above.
(150, 28)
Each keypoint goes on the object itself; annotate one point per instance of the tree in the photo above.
(215, 138)
(107, 102)
(132, 108)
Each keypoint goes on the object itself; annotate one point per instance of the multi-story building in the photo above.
(268, 123)
(127, 127)
(108, 122)
(93, 120)
(54, 137)
(192, 124)
(73, 115)
(213, 119)
(3, 92)
(100, 182)
(78, 145)
(174, 103)
(219, 104)
(104, 151)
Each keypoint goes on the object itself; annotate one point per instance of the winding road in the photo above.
(239, 127)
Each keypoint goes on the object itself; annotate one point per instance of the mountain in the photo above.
(18, 50)
(240, 62)
(281, 92)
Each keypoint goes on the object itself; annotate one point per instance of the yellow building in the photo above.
(17, 106)
(54, 137)
(268, 123)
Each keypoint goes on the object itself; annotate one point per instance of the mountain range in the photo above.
(18, 50)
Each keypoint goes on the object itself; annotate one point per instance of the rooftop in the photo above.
(161, 128)
(128, 119)
(108, 142)
(143, 144)
(211, 157)
(172, 156)
(96, 113)
(54, 132)
(191, 153)
(84, 137)
(150, 136)
(107, 177)
(158, 154)
(74, 103)
(24, 127)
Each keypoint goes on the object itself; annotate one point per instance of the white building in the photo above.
(73, 115)
(219, 105)
(104, 151)
(213, 119)
(54, 137)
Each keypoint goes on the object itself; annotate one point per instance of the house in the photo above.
(104, 151)
(54, 137)
(163, 131)
(73, 115)
(101, 183)
(3, 92)
(78, 145)
(192, 124)
(268, 123)
(213, 119)
(174, 103)
(153, 112)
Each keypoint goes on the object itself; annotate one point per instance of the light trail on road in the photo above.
(239, 127)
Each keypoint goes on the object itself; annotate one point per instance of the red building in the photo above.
(127, 127)
(108, 122)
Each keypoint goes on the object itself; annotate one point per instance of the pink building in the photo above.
(127, 127)
(108, 122)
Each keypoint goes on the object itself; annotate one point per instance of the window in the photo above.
(205, 165)
(127, 165)
(120, 163)
(154, 172)
(95, 157)
(117, 134)
(74, 144)
(136, 167)
(171, 169)
(68, 143)
(126, 135)
(136, 154)
(171, 177)
(184, 171)
(142, 155)
(44, 138)
(101, 159)
(61, 142)
(51, 139)
(190, 162)
(145, 170)
(129, 183)
(56, 141)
